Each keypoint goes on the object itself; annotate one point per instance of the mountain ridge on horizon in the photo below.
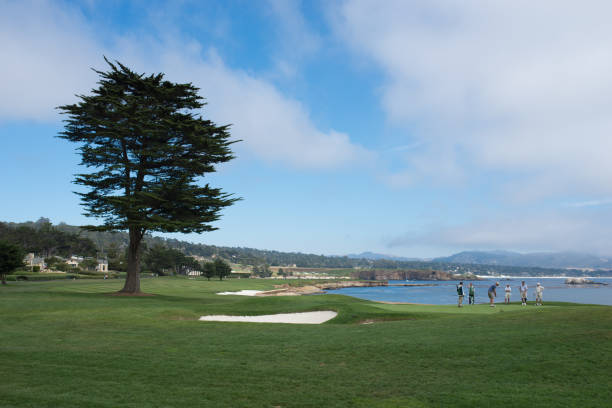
(502, 257)
(560, 259)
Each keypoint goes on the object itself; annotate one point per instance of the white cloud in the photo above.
(555, 231)
(520, 87)
(46, 54)
(296, 35)
(271, 125)
(47, 51)
(296, 40)
(591, 203)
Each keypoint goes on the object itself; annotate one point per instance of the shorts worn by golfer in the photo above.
(491, 295)
(507, 295)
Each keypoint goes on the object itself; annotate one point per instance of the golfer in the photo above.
(471, 294)
(523, 290)
(539, 291)
(460, 294)
(492, 294)
(508, 292)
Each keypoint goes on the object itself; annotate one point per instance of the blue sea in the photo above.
(445, 293)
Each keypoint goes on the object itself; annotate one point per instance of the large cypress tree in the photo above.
(147, 147)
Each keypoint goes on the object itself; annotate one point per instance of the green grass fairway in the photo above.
(70, 344)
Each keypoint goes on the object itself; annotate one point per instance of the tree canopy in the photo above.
(148, 148)
(222, 268)
(11, 258)
(43, 238)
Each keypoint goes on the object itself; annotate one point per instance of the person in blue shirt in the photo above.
(492, 294)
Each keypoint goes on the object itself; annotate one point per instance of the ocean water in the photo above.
(445, 292)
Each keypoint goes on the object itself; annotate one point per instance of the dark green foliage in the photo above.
(43, 238)
(116, 255)
(147, 147)
(88, 264)
(262, 271)
(159, 260)
(208, 270)
(189, 264)
(56, 263)
(167, 261)
(222, 268)
(11, 258)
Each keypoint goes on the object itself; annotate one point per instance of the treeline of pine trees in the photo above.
(64, 240)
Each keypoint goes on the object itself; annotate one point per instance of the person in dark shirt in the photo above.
(492, 294)
(461, 294)
(471, 294)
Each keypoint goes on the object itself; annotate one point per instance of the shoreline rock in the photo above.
(286, 290)
(582, 281)
(411, 274)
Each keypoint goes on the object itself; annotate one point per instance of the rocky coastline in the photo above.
(410, 274)
(287, 290)
(582, 281)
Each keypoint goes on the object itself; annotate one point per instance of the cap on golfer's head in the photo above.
(496, 283)
(538, 283)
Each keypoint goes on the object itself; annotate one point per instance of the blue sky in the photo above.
(407, 128)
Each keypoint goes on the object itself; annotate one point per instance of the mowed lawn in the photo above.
(70, 344)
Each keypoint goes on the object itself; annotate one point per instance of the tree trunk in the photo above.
(132, 281)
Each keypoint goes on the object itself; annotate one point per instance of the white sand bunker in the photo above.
(242, 293)
(296, 318)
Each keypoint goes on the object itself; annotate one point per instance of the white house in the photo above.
(31, 261)
(74, 261)
(102, 265)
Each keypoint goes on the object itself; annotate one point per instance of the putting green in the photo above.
(467, 309)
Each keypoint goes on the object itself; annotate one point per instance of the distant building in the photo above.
(31, 261)
(74, 261)
(102, 265)
(199, 258)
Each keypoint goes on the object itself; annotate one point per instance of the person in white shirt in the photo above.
(508, 292)
(523, 290)
(538, 294)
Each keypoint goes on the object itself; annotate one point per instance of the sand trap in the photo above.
(242, 293)
(296, 318)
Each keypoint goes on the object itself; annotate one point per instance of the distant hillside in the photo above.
(535, 259)
(476, 262)
(375, 256)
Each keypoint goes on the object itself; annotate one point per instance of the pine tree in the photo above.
(147, 148)
(11, 258)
